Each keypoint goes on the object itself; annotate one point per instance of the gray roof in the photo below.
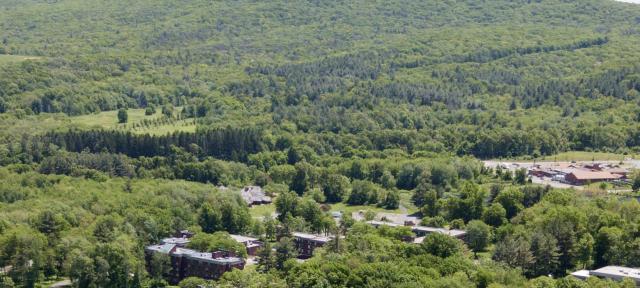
(381, 223)
(162, 248)
(312, 237)
(242, 239)
(617, 273)
(387, 217)
(254, 194)
(192, 254)
(452, 232)
(176, 240)
(581, 274)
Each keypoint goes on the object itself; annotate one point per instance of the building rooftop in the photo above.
(594, 175)
(581, 274)
(242, 239)
(387, 217)
(617, 272)
(176, 240)
(173, 249)
(254, 194)
(162, 248)
(452, 232)
(312, 237)
(380, 223)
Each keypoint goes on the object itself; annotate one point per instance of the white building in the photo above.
(610, 272)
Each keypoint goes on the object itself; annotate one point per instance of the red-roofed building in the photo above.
(582, 177)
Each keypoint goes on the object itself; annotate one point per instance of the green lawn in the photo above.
(16, 58)
(262, 210)
(581, 156)
(588, 156)
(109, 120)
(405, 201)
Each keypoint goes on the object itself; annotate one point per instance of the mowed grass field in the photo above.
(588, 156)
(136, 122)
(16, 58)
(581, 156)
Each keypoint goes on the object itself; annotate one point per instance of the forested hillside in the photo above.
(118, 120)
(461, 77)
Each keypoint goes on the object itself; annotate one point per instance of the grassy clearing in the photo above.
(588, 156)
(109, 119)
(350, 209)
(17, 58)
(156, 124)
(581, 156)
(262, 210)
(136, 122)
(406, 207)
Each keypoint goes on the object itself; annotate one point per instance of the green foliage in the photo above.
(285, 250)
(495, 215)
(22, 250)
(441, 245)
(159, 265)
(218, 241)
(123, 116)
(636, 182)
(229, 213)
(334, 101)
(511, 200)
(192, 282)
(250, 279)
(478, 235)
(335, 188)
(286, 204)
(469, 205)
(150, 110)
(391, 200)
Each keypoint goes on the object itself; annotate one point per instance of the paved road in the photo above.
(554, 184)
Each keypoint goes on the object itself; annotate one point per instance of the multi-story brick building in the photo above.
(190, 263)
(306, 243)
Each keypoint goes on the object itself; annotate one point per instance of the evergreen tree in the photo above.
(123, 116)
(285, 250)
(544, 248)
(266, 258)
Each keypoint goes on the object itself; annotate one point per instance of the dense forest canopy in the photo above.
(122, 122)
(463, 76)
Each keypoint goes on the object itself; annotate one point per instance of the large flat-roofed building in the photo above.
(190, 263)
(401, 219)
(581, 274)
(422, 231)
(617, 273)
(306, 243)
(251, 244)
(377, 224)
(582, 177)
(178, 241)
